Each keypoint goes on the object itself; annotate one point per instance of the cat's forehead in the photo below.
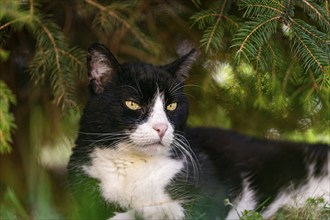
(104, 70)
(145, 71)
(147, 77)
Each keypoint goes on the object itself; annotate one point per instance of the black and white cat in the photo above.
(135, 158)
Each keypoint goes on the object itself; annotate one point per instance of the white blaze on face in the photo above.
(154, 136)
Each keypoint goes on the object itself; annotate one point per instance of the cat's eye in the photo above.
(172, 106)
(132, 105)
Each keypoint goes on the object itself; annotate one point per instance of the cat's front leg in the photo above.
(123, 215)
(169, 210)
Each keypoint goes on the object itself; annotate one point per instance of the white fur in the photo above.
(134, 174)
(146, 138)
(245, 202)
(315, 187)
(136, 182)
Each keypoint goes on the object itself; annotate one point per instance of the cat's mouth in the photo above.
(154, 144)
(152, 147)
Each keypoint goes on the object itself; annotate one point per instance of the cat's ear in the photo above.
(101, 66)
(180, 67)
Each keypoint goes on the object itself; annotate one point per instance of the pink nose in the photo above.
(160, 128)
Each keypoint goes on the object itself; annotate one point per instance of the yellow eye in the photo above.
(172, 106)
(132, 105)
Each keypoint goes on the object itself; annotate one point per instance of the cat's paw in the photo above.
(123, 215)
(171, 210)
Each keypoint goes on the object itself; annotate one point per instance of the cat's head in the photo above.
(136, 106)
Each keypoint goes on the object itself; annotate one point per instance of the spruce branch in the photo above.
(14, 21)
(309, 44)
(307, 50)
(317, 35)
(211, 34)
(254, 8)
(13, 15)
(209, 21)
(253, 34)
(124, 21)
(53, 43)
(204, 18)
(76, 57)
(317, 13)
(59, 84)
(7, 124)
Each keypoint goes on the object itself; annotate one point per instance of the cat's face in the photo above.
(136, 107)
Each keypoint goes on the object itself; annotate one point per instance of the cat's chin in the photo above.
(157, 144)
(153, 149)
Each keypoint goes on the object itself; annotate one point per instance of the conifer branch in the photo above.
(53, 42)
(254, 30)
(254, 8)
(316, 11)
(321, 37)
(121, 20)
(211, 36)
(13, 21)
(278, 3)
(72, 57)
(303, 55)
(7, 124)
(231, 21)
(214, 32)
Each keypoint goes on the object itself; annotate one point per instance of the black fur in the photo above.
(225, 157)
(105, 111)
(270, 166)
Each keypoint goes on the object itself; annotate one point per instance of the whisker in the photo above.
(176, 88)
(182, 143)
(113, 137)
(101, 134)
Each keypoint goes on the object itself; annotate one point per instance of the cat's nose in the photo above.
(161, 128)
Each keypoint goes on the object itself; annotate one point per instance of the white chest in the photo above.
(135, 182)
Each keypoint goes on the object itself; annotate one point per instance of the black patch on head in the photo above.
(113, 83)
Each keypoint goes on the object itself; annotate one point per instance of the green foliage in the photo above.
(213, 23)
(115, 15)
(253, 35)
(314, 208)
(264, 61)
(7, 124)
(250, 215)
(11, 207)
(53, 59)
(3, 55)
(285, 44)
(308, 44)
(62, 63)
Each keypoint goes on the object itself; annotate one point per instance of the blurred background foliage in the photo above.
(263, 70)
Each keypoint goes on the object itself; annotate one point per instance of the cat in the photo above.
(134, 157)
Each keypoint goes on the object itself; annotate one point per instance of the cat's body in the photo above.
(132, 157)
(264, 174)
